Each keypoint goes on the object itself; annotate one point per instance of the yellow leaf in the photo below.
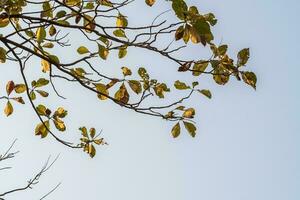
(102, 89)
(150, 2)
(8, 110)
(45, 66)
(189, 113)
(20, 88)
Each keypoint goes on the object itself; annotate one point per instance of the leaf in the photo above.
(52, 30)
(119, 33)
(249, 78)
(135, 86)
(59, 124)
(92, 150)
(122, 52)
(10, 87)
(180, 85)
(32, 95)
(199, 68)
(180, 8)
(83, 131)
(19, 100)
(20, 88)
(243, 57)
(143, 73)
(206, 93)
(121, 21)
(222, 49)
(8, 110)
(42, 93)
(190, 128)
(150, 2)
(40, 34)
(41, 110)
(42, 130)
(82, 50)
(41, 82)
(189, 113)
(48, 45)
(176, 130)
(179, 33)
(4, 21)
(2, 55)
(102, 89)
(126, 71)
(60, 112)
(160, 89)
(122, 94)
(103, 52)
(92, 132)
(72, 2)
(46, 66)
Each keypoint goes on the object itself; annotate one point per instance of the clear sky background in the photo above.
(247, 145)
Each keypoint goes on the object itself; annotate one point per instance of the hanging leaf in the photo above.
(191, 128)
(45, 66)
(40, 34)
(2, 55)
(249, 78)
(176, 130)
(8, 110)
(189, 113)
(122, 52)
(243, 57)
(122, 94)
(103, 52)
(121, 21)
(150, 2)
(10, 85)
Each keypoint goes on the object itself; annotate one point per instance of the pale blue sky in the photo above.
(247, 145)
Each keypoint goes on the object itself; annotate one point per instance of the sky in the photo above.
(247, 143)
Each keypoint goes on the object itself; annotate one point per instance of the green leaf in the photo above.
(176, 130)
(181, 86)
(82, 50)
(121, 21)
(190, 128)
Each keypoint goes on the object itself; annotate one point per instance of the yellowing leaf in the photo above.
(122, 95)
(59, 124)
(126, 71)
(42, 93)
(190, 128)
(2, 55)
(181, 86)
(189, 113)
(42, 130)
(176, 130)
(82, 50)
(103, 52)
(40, 34)
(8, 110)
(102, 89)
(4, 21)
(45, 66)
(121, 21)
(92, 150)
(52, 30)
(207, 93)
(72, 2)
(135, 86)
(122, 52)
(19, 100)
(199, 68)
(249, 78)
